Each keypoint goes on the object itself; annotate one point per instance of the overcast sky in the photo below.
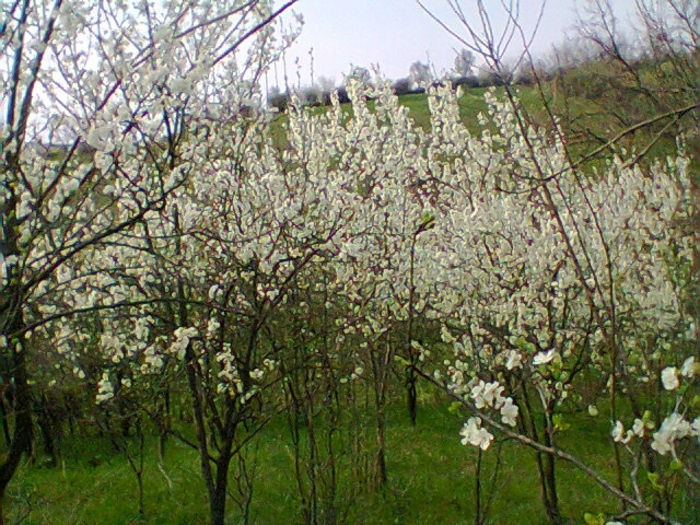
(396, 33)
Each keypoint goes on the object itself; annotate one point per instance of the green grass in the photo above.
(471, 103)
(431, 480)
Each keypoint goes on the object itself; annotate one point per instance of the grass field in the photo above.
(431, 480)
(470, 105)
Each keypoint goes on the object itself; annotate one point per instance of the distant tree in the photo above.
(419, 73)
(401, 86)
(343, 96)
(464, 63)
(493, 77)
(469, 81)
(325, 84)
(311, 95)
(277, 99)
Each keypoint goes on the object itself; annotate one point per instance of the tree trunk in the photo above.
(381, 471)
(22, 435)
(12, 322)
(47, 426)
(217, 497)
(3, 416)
(550, 483)
(412, 397)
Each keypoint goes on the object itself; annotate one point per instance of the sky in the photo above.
(396, 33)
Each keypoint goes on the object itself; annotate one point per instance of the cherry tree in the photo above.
(548, 276)
(100, 101)
(569, 274)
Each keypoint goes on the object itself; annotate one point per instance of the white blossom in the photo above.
(543, 358)
(618, 433)
(509, 412)
(514, 360)
(673, 428)
(105, 389)
(473, 434)
(689, 367)
(669, 378)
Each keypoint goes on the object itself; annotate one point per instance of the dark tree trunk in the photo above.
(3, 415)
(412, 397)
(14, 354)
(550, 482)
(382, 476)
(47, 426)
(217, 498)
(22, 435)
(12, 321)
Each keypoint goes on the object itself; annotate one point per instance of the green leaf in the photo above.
(594, 519)
(524, 345)
(559, 425)
(653, 478)
(455, 407)
(401, 360)
(675, 465)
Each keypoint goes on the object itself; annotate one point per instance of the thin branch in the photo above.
(254, 30)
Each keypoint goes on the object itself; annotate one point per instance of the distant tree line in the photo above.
(420, 76)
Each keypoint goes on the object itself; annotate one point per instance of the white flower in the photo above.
(212, 327)
(661, 443)
(638, 427)
(673, 428)
(446, 336)
(509, 412)
(487, 394)
(105, 389)
(543, 358)
(618, 434)
(593, 410)
(669, 377)
(473, 434)
(214, 291)
(182, 340)
(695, 427)
(688, 369)
(514, 360)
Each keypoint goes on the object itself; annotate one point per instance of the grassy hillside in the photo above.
(431, 480)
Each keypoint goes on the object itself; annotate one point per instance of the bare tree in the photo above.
(464, 63)
(419, 73)
(633, 83)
